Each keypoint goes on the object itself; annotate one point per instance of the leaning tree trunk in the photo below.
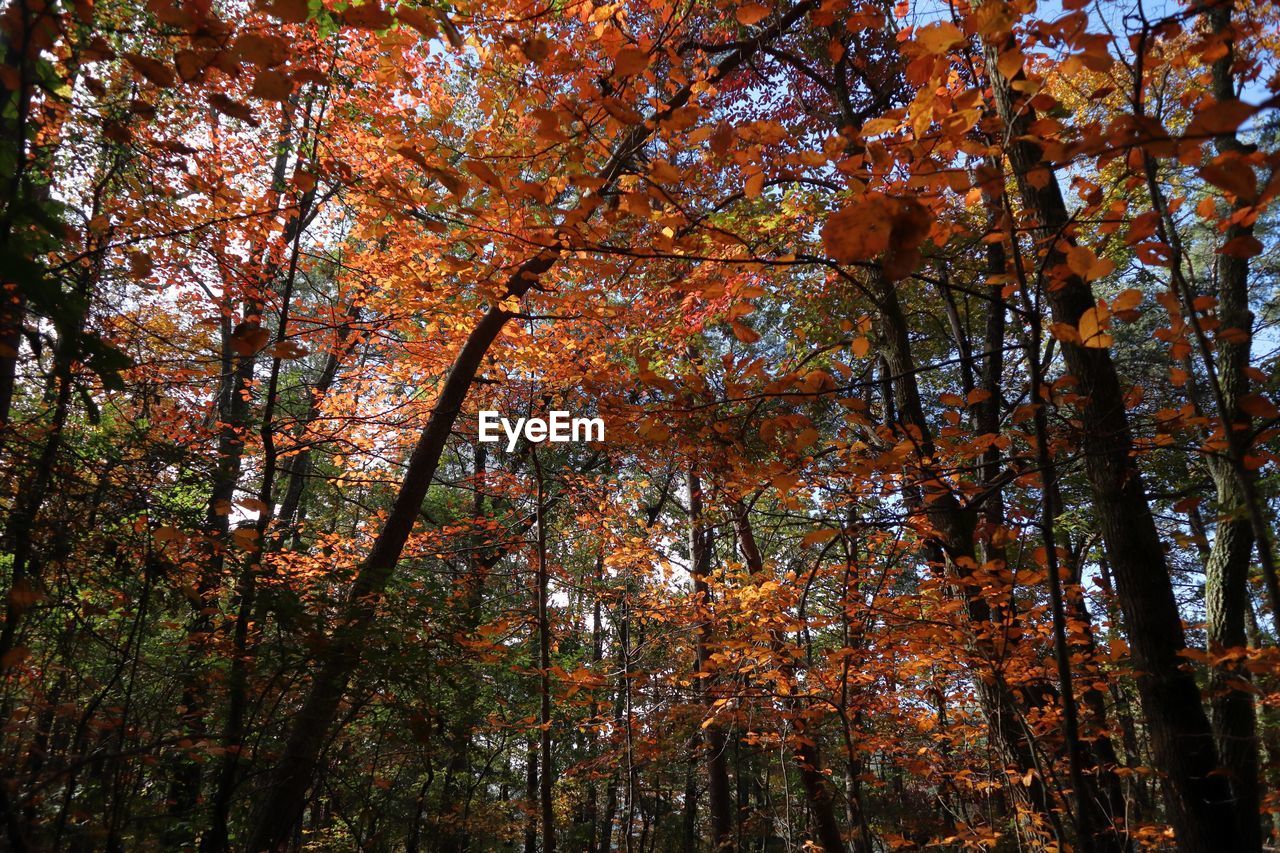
(290, 781)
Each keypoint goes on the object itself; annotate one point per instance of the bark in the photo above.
(952, 537)
(714, 739)
(1200, 802)
(1227, 568)
(546, 780)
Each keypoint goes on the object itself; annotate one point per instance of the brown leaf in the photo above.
(419, 20)
(1244, 246)
(192, 64)
(153, 70)
(246, 340)
(1233, 176)
(221, 103)
(293, 11)
(861, 230)
(272, 85)
(261, 50)
(630, 60)
(367, 16)
(1220, 117)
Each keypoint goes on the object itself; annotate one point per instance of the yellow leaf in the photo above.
(1092, 328)
(877, 126)
(1127, 300)
(939, 38)
(1084, 263)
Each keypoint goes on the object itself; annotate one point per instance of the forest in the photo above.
(933, 348)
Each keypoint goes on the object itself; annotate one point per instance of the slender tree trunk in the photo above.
(953, 540)
(546, 781)
(714, 739)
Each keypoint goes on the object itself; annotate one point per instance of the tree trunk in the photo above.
(289, 782)
(1200, 802)
(713, 736)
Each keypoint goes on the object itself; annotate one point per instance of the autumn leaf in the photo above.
(1258, 406)
(630, 61)
(155, 71)
(750, 14)
(1245, 246)
(744, 333)
(272, 85)
(288, 349)
(221, 103)
(292, 11)
(939, 38)
(860, 230)
(367, 16)
(817, 537)
(1220, 117)
(1083, 262)
(246, 340)
(1233, 176)
(419, 20)
(261, 50)
(1092, 328)
(621, 111)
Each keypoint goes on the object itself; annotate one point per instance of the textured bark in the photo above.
(1227, 567)
(1200, 802)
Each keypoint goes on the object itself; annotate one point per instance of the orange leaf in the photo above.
(630, 60)
(939, 38)
(1234, 177)
(1092, 328)
(815, 537)
(744, 333)
(751, 14)
(860, 231)
(1219, 118)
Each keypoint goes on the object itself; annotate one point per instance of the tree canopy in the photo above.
(935, 346)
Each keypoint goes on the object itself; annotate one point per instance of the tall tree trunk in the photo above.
(546, 781)
(715, 742)
(1200, 801)
(1227, 568)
